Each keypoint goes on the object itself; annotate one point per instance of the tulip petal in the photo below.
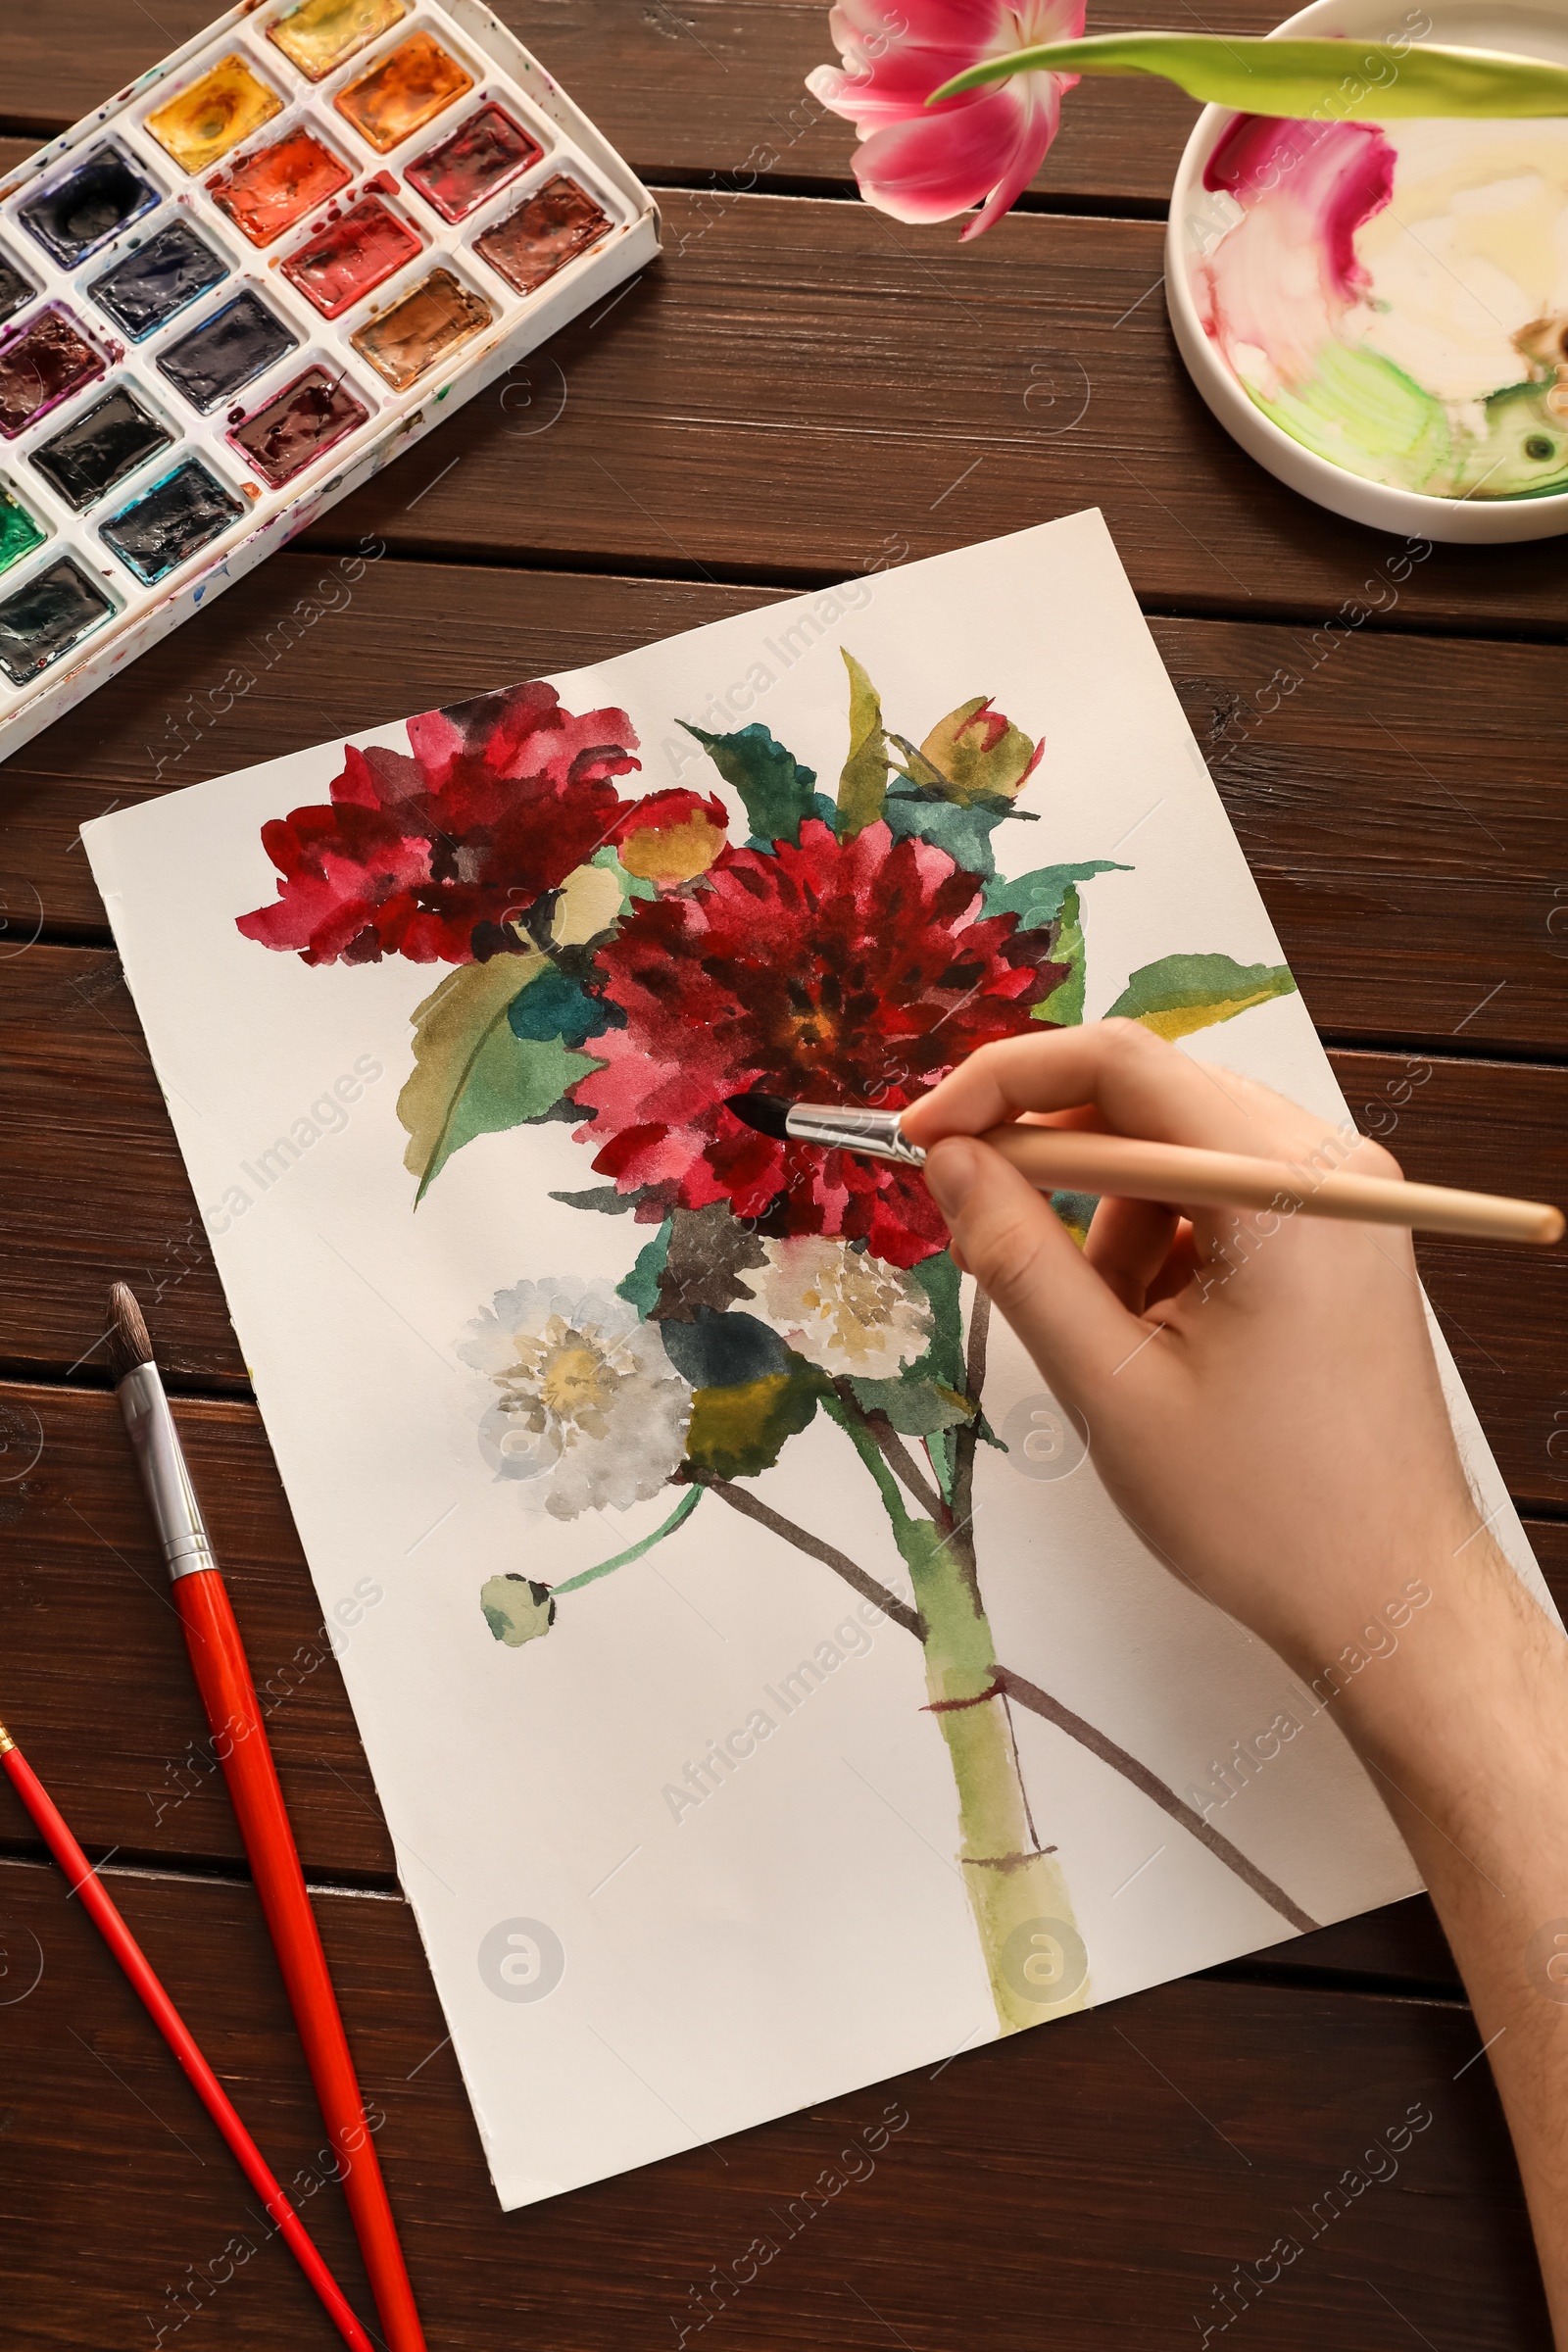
(948, 159)
(1036, 136)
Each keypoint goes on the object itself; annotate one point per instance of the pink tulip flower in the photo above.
(922, 163)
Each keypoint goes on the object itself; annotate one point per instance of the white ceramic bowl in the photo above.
(1540, 30)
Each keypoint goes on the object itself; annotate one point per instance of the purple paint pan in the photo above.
(482, 155)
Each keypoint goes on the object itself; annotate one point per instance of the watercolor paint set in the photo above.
(244, 284)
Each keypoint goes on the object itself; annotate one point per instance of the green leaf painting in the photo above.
(1050, 895)
(639, 1289)
(473, 1074)
(1037, 899)
(1299, 78)
(1184, 992)
(864, 782)
(916, 1408)
(739, 1432)
(963, 832)
(1065, 1003)
(776, 790)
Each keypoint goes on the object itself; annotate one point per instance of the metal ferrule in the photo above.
(875, 1134)
(161, 1459)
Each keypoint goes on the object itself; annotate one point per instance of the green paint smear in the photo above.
(18, 533)
(1365, 414)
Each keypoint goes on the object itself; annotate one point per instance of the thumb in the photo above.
(1021, 1253)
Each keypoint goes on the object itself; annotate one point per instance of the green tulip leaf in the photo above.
(1381, 82)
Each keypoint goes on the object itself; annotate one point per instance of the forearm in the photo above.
(1469, 1746)
(1280, 1434)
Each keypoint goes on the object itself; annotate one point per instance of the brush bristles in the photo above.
(129, 1344)
(766, 1113)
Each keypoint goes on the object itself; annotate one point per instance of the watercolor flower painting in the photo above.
(589, 1411)
(629, 965)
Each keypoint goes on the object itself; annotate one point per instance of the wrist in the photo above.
(1475, 1695)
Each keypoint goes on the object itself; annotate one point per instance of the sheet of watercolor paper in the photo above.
(764, 1694)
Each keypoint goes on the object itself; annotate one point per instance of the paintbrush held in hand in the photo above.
(239, 1740)
(1073, 1160)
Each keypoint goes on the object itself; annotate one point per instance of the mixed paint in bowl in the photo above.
(1396, 298)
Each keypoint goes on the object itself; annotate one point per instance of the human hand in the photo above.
(1259, 1388)
(1264, 1406)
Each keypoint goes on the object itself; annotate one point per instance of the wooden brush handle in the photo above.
(1064, 1159)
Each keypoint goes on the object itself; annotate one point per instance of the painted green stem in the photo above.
(623, 1559)
(1018, 1893)
(1304, 78)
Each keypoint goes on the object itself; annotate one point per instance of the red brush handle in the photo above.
(224, 1678)
(174, 2031)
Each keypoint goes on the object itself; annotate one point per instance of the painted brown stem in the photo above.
(751, 1508)
(968, 1434)
(900, 1460)
(1039, 1702)
(1027, 1695)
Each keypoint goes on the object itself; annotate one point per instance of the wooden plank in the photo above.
(1130, 2160)
(681, 86)
(1394, 802)
(1402, 1944)
(807, 390)
(1390, 794)
(95, 1190)
(83, 1609)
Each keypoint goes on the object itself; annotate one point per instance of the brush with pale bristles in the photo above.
(241, 1744)
(1071, 1159)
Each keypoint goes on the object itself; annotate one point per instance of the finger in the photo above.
(1128, 1243)
(1020, 1252)
(1178, 1270)
(1141, 1086)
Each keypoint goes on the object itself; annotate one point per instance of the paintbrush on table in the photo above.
(240, 1743)
(1073, 1160)
(106, 1918)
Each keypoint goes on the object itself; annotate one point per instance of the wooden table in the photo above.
(800, 390)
